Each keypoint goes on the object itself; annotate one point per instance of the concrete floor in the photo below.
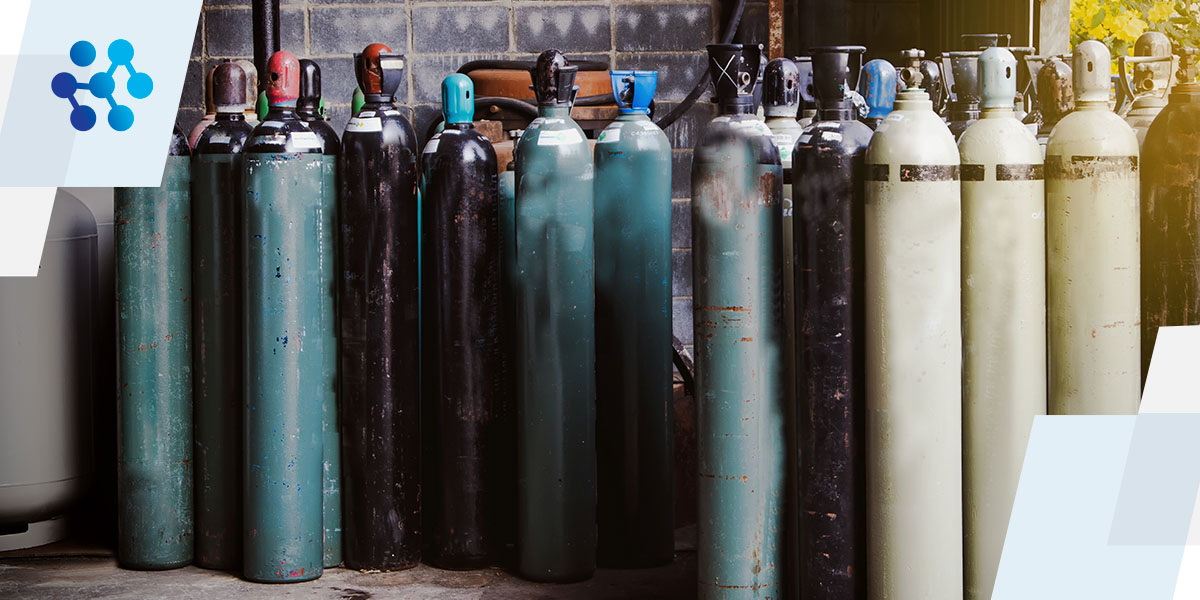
(64, 571)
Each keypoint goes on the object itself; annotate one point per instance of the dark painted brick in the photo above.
(686, 130)
(568, 28)
(193, 85)
(677, 73)
(423, 116)
(755, 25)
(681, 174)
(338, 81)
(229, 31)
(198, 41)
(460, 28)
(681, 319)
(681, 272)
(187, 118)
(349, 29)
(681, 223)
(338, 115)
(429, 71)
(656, 27)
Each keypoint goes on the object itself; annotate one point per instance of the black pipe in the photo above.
(265, 16)
(525, 65)
(702, 83)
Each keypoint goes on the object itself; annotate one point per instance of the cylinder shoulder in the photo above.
(1174, 129)
(746, 129)
(914, 137)
(621, 138)
(1092, 133)
(463, 146)
(559, 135)
(223, 138)
(847, 137)
(999, 141)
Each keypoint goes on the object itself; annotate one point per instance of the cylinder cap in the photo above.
(964, 70)
(997, 78)
(1056, 92)
(807, 93)
(734, 71)
(553, 79)
(781, 88)
(310, 85)
(634, 90)
(379, 71)
(229, 88)
(210, 105)
(283, 79)
(835, 73)
(1092, 65)
(251, 73)
(978, 41)
(458, 99)
(878, 85)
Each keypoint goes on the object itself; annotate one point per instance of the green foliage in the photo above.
(1118, 23)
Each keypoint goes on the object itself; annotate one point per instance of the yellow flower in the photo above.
(1097, 33)
(1127, 27)
(1161, 11)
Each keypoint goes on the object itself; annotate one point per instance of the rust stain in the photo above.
(747, 339)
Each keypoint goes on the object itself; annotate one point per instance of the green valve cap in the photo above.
(997, 78)
(458, 99)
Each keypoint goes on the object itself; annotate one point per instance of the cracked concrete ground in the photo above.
(67, 572)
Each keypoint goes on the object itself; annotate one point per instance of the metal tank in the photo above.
(1170, 213)
(1056, 96)
(913, 352)
(251, 89)
(963, 80)
(554, 329)
(217, 198)
(466, 468)
(737, 191)
(808, 102)
(879, 85)
(154, 368)
(308, 110)
(829, 177)
(1004, 312)
(1092, 267)
(287, 269)
(210, 111)
(48, 377)
(379, 303)
(934, 83)
(1144, 90)
(634, 404)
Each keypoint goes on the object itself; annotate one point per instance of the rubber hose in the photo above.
(702, 84)
(525, 65)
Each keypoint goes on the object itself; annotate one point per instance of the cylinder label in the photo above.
(1082, 167)
(559, 138)
(365, 125)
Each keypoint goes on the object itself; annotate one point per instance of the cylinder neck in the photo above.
(998, 112)
(916, 99)
(741, 105)
(632, 116)
(230, 117)
(554, 111)
(839, 111)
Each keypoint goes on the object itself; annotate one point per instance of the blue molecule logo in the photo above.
(102, 85)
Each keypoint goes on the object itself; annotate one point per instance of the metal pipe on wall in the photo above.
(264, 14)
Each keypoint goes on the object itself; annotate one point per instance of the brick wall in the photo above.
(438, 36)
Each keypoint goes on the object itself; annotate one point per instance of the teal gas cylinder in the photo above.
(154, 368)
(555, 336)
(288, 268)
(1004, 312)
(634, 409)
(737, 217)
(217, 321)
(913, 352)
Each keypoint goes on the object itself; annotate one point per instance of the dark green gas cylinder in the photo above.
(555, 336)
(288, 268)
(1171, 213)
(379, 304)
(217, 322)
(468, 464)
(308, 110)
(737, 192)
(634, 408)
(154, 368)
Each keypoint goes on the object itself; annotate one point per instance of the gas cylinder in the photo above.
(963, 68)
(288, 270)
(1092, 271)
(379, 300)
(554, 330)
(828, 178)
(808, 102)
(737, 190)
(634, 407)
(210, 111)
(982, 41)
(217, 321)
(934, 84)
(1170, 213)
(913, 352)
(1153, 74)
(308, 111)
(879, 85)
(1004, 312)
(251, 90)
(466, 458)
(154, 368)
(1056, 96)
(357, 101)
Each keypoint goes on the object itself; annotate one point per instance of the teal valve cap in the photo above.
(634, 90)
(458, 99)
(997, 78)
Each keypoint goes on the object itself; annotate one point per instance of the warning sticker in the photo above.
(610, 134)
(306, 139)
(432, 146)
(560, 137)
(365, 124)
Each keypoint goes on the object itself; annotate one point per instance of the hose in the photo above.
(525, 65)
(702, 83)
